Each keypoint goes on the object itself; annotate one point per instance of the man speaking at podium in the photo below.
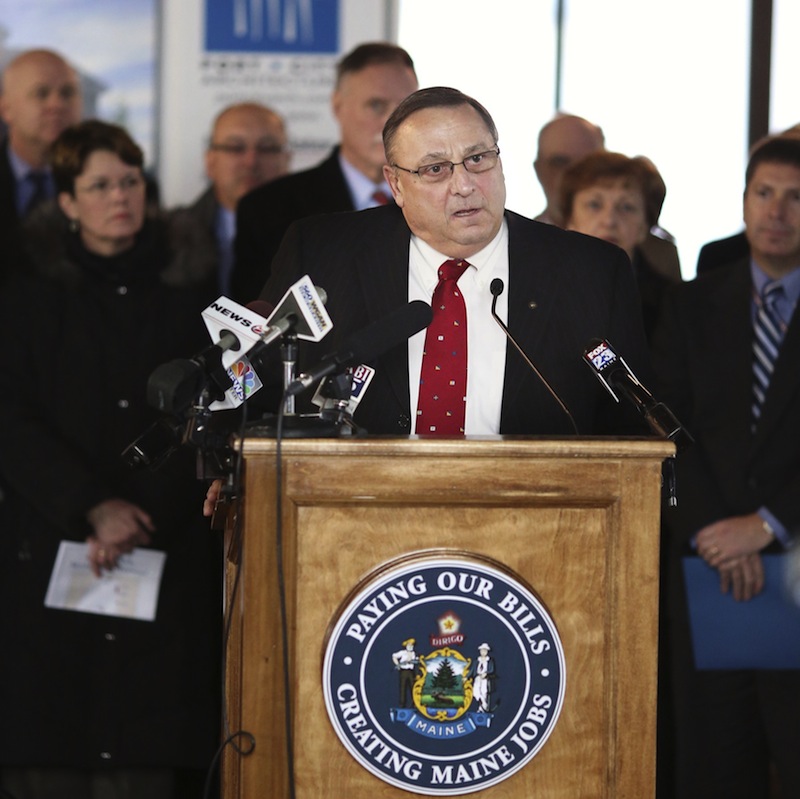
(449, 241)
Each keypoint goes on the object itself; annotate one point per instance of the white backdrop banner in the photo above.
(278, 52)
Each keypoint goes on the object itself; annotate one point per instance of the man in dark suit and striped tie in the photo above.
(728, 356)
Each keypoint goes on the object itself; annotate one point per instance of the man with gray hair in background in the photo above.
(371, 80)
(40, 97)
(248, 147)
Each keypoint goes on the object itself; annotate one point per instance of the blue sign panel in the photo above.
(272, 26)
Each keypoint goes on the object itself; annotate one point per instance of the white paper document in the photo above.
(130, 590)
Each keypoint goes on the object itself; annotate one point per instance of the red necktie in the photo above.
(443, 378)
(381, 197)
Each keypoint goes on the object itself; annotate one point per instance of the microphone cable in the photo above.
(497, 287)
(236, 543)
(287, 687)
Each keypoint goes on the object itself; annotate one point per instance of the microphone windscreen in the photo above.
(496, 287)
(388, 332)
(261, 307)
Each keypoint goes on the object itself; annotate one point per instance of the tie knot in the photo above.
(380, 197)
(771, 292)
(452, 269)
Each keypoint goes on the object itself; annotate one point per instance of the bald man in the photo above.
(248, 147)
(562, 141)
(566, 139)
(40, 97)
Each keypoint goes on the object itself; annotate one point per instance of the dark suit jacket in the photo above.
(203, 211)
(264, 214)
(564, 289)
(704, 358)
(9, 218)
(722, 252)
(194, 228)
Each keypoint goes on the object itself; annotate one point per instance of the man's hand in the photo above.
(119, 527)
(731, 546)
(212, 497)
(744, 575)
(732, 538)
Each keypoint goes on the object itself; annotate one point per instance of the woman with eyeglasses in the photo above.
(616, 198)
(93, 700)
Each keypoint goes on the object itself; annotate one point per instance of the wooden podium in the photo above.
(577, 519)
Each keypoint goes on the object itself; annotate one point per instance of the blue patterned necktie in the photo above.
(767, 338)
(39, 190)
(441, 409)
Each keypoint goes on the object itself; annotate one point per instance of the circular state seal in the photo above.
(443, 674)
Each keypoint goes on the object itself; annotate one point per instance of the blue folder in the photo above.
(762, 633)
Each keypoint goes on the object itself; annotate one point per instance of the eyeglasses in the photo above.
(441, 171)
(240, 148)
(102, 187)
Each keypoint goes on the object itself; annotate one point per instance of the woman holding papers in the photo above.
(95, 685)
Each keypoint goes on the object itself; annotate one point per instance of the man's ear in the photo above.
(390, 176)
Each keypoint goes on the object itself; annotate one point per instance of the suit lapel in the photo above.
(532, 298)
(729, 368)
(331, 192)
(8, 191)
(381, 297)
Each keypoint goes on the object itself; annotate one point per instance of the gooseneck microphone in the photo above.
(497, 287)
(612, 371)
(366, 344)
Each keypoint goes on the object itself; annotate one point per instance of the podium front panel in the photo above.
(577, 520)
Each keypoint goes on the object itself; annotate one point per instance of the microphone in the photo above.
(257, 325)
(617, 377)
(497, 287)
(156, 444)
(366, 344)
(173, 386)
(239, 331)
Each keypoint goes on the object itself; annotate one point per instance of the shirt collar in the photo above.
(433, 259)
(361, 187)
(790, 282)
(21, 168)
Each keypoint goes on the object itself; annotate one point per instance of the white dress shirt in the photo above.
(486, 342)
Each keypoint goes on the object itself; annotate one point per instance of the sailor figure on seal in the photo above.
(483, 683)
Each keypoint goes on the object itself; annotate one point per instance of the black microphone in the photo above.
(617, 377)
(174, 385)
(497, 287)
(366, 344)
(156, 444)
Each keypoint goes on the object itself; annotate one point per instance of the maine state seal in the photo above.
(443, 673)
